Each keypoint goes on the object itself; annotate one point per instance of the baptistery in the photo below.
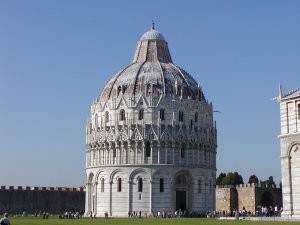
(151, 140)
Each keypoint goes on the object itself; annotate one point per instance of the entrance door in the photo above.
(181, 200)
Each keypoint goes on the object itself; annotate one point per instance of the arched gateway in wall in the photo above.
(151, 139)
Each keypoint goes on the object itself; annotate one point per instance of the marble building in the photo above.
(151, 138)
(290, 151)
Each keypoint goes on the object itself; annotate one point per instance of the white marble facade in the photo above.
(290, 152)
(151, 139)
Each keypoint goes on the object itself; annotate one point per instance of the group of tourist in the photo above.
(260, 211)
(268, 211)
(70, 215)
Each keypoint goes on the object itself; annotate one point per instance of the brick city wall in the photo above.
(249, 196)
(32, 200)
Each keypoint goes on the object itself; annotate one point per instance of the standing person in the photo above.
(5, 220)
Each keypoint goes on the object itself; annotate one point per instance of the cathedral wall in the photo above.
(158, 191)
(290, 157)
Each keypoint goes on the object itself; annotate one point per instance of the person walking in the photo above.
(5, 220)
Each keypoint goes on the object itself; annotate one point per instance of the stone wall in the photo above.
(248, 196)
(39, 199)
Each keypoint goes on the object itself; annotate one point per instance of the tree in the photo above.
(253, 179)
(220, 178)
(229, 179)
(268, 183)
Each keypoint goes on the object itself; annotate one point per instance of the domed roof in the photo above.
(152, 35)
(152, 70)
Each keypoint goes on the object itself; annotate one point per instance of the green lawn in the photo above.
(126, 221)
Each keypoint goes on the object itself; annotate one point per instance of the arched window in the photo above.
(161, 185)
(182, 151)
(199, 186)
(124, 89)
(148, 149)
(140, 185)
(141, 114)
(96, 120)
(162, 114)
(119, 184)
(180, 180)
(299, 111)
(179, 90)
(102, 185)
(148, 89)
(119, 90)
(180, 116)
(106, 116)
(196, 117)
(91, 127)
(122, 115)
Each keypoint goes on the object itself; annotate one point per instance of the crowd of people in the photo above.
(260, 211)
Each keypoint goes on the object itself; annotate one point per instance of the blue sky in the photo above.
(56, 56)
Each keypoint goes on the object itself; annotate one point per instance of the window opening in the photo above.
(140, 185)
(161, 185)
(180, 116)
(106, 116)
(162, 114)
(119, 184)
(148, 149)
(141, 114)
(199, 186)
(182, 151)
(122, 115)
(119, 90)
(102, 185)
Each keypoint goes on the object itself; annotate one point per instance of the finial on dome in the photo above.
(152, 26)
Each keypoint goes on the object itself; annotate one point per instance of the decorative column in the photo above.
(199, 154)
(95, 198)
(109, 154)
(193, 154)
(150, 196)
(118, 153)
(179, 153)
(87, 199)
(129, 196)
(91, 156)
(286, 186)
(173, 152)
(166, 152)
(158, 152)
(136, 153)
(98, 155)
(110, 197)
(187, 152)
(151, 151)
(122, 155)
(143, 153)
(128, 152)
(172, 183)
